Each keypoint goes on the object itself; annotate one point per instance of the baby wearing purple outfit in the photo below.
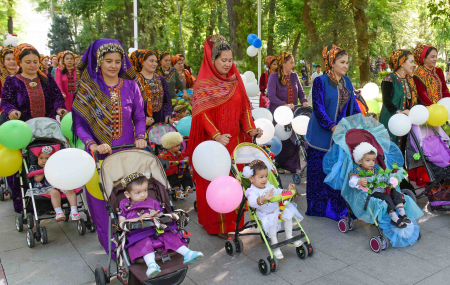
(140, 243)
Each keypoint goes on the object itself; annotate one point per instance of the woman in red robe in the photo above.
(221, 111)
(271, 63)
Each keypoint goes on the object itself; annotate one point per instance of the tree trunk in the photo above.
(311, 29)
(10, 12)
(212, 20)
(295, 46)
(272, 19)
(233, 20)
(362, 39)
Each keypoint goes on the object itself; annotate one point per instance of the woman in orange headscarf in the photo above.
(221, 112)
(185, 75)
(271, 64)
(429, 79)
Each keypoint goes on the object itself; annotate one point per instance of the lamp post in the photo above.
(259, 36)
(135, 12)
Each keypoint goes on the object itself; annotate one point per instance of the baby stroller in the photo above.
(338, 164)
(114, 168)
(38, 207)
(4, 188)
(300, 141)
(428, 156)
(243, 154)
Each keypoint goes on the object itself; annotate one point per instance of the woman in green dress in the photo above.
(398, 89)
(170, 74)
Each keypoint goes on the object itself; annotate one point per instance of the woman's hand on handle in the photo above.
(333, 128)
(258, 133)
(406, 112)
(223, 139)
(15, 115)
(305, 104)
(149, 121)
(291, 106)
(102, 149)
(141, 143)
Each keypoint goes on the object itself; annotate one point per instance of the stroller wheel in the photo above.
(273, 264)
(30, 221)
(296, 178)
(19, 223)
(66, 214)
(230, 247)
(376, 244)
(81, 227)
(384, 242)
(174, 196)
(343, 226)
(44, 237)
(310, 248)
(302, 251)
(92, 228)
(264, 267)
(100, 278)
(239, 245)
(350, 224)
(30, 238)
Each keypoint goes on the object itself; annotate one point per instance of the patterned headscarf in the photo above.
(4, 73)
(281, 59)
(41, 58)
(18, 51)
(49, 150)
(419, 53)
(130, 178)
(397, 58)
(52, 56)
(269, 60)
(58, 57)
(220, 43)
(4, 52)
(137, 57)
(160, 54)
(175, 59)
(329, 54)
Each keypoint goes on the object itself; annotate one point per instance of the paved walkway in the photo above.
(69, 258)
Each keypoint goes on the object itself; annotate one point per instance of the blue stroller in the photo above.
(338, 164)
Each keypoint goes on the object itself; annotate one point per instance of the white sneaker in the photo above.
(296, 243)
(278, 254)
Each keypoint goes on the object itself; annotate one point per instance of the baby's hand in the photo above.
(291, 187)
(362, 182)
(145, 216)
(268, 196)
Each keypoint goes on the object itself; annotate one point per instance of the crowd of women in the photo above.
(114, 98)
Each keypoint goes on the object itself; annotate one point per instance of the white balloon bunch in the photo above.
(370, 91)
(250, 83)
(11, 40)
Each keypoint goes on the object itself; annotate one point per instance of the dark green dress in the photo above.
(397, 96)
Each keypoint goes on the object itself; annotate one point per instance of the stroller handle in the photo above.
(113, 148)
(280, 197)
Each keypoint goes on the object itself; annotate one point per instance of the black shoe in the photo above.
(399, 224)
(405, 219)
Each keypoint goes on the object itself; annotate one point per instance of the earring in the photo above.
(403, 70)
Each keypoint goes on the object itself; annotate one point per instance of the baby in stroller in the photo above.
(42, 186)
(262, 191)
(365, 155)
(137, 207)
(178, 172)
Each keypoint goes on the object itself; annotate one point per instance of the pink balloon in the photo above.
(224, 194)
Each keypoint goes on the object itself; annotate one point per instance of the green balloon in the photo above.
(373, 105)
(66, 126)
(15, 134)
(79, 144)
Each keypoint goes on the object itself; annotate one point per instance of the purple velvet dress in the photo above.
(288, 158)
(141, 242)
(15, 97)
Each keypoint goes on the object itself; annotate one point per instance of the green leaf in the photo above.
(369, 173)
(381, 171)
(395, 166)
(361, 173)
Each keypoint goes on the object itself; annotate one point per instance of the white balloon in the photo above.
(131, 50)
(211, 160)
(399, 125)
(281, 133)
(370, 91)
(244, 79)
(258, 113)
(252, 51)
(446, 103)
(283, 115)
(250, 76)
(419, 115)
(252, 89)
(69, 169)
(300, 124)
(268, 130)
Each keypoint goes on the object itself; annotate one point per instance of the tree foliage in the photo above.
(60, 35)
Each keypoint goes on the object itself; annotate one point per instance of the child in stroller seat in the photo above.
(137, 207)
(36, 175)
(365, 155)
(262, 191)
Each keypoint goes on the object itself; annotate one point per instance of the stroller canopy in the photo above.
(47, 129)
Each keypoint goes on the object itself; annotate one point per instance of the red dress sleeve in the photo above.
(246, 120)
(445, 92)
(209, 126)
(422, 93)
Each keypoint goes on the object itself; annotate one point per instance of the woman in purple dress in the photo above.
(29, 94)
(284, 89)
(107, 110)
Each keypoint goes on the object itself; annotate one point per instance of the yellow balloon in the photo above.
(92, 185)
(10, 161)
(438, 115)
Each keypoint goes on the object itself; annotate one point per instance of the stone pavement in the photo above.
(69, 258)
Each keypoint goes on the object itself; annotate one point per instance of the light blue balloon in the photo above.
(251, 38)
(257, 43)
(275, 145)
(184, 126)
